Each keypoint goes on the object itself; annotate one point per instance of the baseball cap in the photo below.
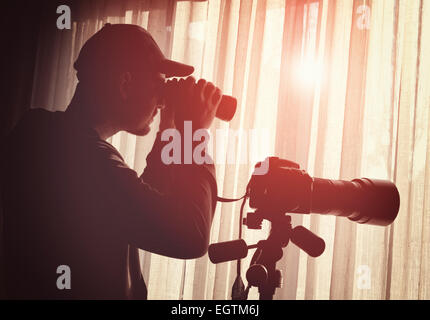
(125, 45)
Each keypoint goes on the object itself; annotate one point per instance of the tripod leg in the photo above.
(274, 280)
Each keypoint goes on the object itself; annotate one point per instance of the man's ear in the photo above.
(125, 84)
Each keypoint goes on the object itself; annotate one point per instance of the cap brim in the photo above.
(175, 69)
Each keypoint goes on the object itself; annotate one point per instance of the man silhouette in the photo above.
(71, 201)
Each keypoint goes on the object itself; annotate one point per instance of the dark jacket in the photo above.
(69, 199)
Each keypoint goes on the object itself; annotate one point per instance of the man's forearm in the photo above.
(195, 190)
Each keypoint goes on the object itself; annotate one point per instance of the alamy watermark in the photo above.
(363, 20)
(197, 146)
(64, 21)
(64, 280)
(364, 279)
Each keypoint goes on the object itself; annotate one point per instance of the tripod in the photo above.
(277, 187)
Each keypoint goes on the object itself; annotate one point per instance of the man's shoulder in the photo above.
(106, 150)
(42, 129)
(31, 120)
(32, 130)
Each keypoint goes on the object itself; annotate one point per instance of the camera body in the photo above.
(284, 188)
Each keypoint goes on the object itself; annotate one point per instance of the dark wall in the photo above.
(21, 22)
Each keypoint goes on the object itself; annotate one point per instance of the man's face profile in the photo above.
(140, 95)
(121, 70)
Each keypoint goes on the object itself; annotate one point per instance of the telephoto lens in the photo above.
(368, 201)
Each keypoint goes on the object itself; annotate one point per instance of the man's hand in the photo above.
(187, 100)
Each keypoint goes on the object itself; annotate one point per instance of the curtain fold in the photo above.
(341, 87)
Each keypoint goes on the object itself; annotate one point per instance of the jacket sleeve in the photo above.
(169, 209)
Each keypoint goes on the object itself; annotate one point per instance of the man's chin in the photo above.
(140, 132)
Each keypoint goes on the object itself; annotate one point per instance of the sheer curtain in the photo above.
(340, 86)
